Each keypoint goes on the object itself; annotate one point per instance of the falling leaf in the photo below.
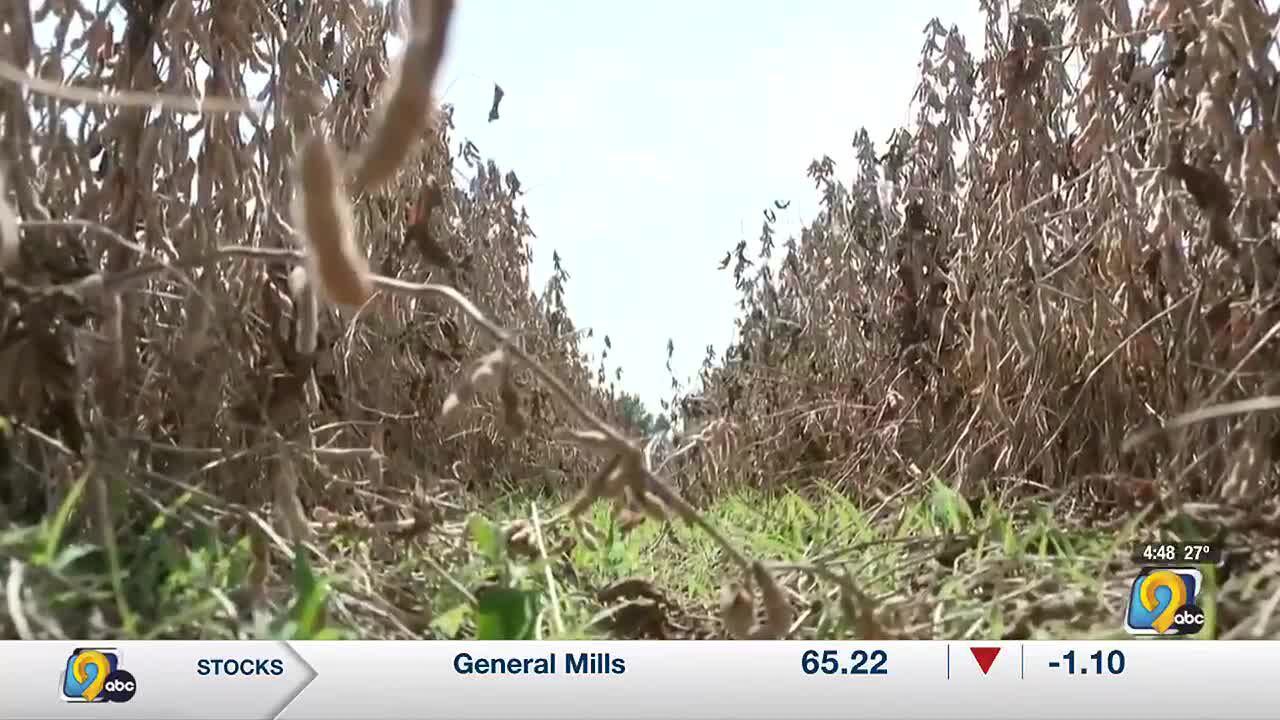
(497, 98)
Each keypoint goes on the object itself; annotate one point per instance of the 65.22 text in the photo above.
(837, 662)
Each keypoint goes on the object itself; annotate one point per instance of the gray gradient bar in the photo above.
(1157, 678)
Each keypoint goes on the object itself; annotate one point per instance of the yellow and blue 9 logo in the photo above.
(1163, 602)
(94, 675)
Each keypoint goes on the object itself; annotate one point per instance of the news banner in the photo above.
(1155, 667)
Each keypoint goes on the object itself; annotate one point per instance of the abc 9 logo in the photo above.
(119, 687)
(1188, 620)
(1186, 617)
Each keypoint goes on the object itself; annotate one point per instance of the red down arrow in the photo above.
(985, 657)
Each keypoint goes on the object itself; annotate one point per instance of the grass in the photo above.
(932, 542)
(936, 566)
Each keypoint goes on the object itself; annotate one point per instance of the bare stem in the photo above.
(123, 98)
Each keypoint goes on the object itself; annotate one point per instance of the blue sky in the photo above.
(650, 137)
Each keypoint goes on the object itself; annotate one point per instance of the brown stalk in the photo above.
(404, 115)
(10, 242)
(323, 216)
(306, 311)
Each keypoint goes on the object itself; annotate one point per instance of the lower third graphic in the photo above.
(1162, 601)
(94, 675)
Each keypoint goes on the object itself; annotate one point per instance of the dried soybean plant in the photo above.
(624, 476)
(1059, 284)
(246, 351)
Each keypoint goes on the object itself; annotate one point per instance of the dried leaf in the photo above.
(512, 418)
(778, 612)
(419, 234)
(520, 539)
(635, 619)
(627, 518)
(737, 610)
(630, 588)
(859, 613)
